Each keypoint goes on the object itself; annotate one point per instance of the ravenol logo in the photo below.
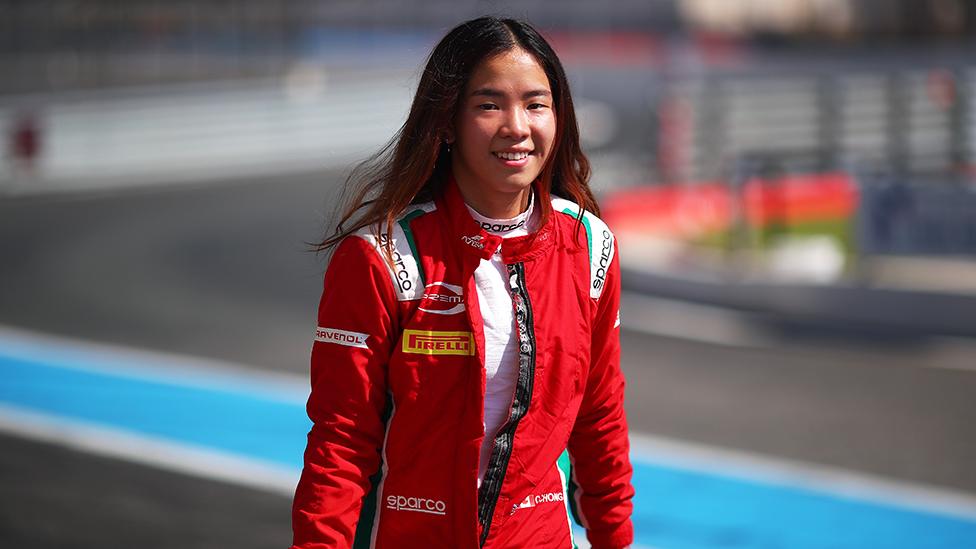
(341, 337)
(426, 342)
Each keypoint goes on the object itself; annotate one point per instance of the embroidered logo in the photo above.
(401, 274)
(425, 342)
(341, 337)
(419, 505)
(441, 298)
(532, 501)
(501, 228)
(526, 503)
(604, 262)
(474, 241)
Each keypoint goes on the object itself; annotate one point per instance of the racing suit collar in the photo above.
(473, 239)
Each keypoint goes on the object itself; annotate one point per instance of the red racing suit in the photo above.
(398, 384)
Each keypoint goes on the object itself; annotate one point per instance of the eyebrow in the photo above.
(491, 92)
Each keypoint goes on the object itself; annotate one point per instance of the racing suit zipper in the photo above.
(501, 451)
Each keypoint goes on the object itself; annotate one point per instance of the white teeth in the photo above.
(512, 156)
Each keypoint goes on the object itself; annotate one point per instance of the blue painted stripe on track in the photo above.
(265, 428)
(675, 507)
(685, 509)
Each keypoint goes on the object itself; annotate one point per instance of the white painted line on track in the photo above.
(133, 363)
(186, 458)
(804, 475)
(147, 450)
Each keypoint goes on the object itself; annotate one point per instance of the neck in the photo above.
(496, 205)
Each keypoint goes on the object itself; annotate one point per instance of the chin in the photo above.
(520, 181)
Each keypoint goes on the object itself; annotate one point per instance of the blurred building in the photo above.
(836, 18)
(64, 44)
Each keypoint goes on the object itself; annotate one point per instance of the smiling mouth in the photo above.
(511, 156)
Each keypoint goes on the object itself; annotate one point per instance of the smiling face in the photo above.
(503, 133)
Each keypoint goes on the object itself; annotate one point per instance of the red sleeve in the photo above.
(356, 323)
(598, 446)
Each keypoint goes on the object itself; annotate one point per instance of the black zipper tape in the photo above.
(501, 452)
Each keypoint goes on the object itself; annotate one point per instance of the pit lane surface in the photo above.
(220, 272)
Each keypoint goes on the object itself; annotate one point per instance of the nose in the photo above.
(516, 124)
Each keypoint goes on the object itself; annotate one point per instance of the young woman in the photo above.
(466, 389)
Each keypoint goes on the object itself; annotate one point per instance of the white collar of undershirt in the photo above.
(520, 225)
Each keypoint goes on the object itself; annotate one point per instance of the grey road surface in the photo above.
(221, 271)
(57, 498)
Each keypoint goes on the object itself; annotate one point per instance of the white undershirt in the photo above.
(501, 348)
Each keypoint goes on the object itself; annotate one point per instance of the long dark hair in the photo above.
(416, 161)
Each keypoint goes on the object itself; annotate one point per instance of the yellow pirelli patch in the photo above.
(426, 342)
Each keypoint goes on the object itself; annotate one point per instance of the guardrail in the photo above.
(174, 133)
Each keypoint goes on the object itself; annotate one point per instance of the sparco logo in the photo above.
(399, 267)
(441, 298)
(604, 263)
(341, 337)
(500, 228)
(420, 505)
(474, 241)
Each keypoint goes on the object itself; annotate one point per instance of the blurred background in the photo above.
(791, 183)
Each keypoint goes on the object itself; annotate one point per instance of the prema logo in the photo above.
(426, 342)
(419, 505)
(442, 298)
(341, 337)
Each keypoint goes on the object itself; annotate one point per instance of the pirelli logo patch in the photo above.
(426, 342)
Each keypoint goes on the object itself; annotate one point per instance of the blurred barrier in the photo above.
(697, 210)
(900, 218)
(313, 120)
(818, 251)
(909, 123)
(858, 310)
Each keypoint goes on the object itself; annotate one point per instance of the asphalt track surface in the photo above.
(220, 271)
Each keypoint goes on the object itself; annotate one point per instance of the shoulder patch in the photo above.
(406, 271)
(599, 242)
